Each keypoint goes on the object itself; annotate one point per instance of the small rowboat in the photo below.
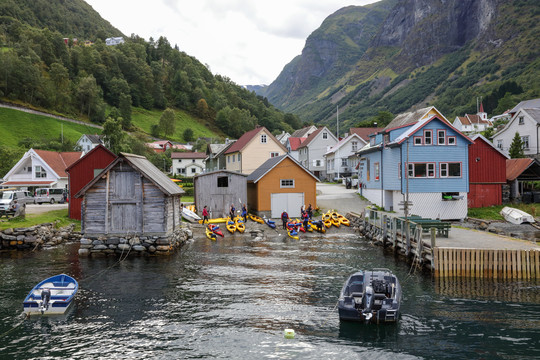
(51, 296)
(516, 216)
(190, 215)
(215, 229)
(231, 226)
(210, 234)
(240, 225)
(256, 218)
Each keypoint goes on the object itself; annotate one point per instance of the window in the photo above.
(376, 171)
(229, 159)
(521, 120)
(421, 170)
(450, 169)
(344, 162)
(233, 158)
(193, 161)
(238, 157)
(354, 145)
(428, 137)
(525, 142)
(40, 172)
(263, 138)
(451, 140)
(325, 135)
(499, 144)
(274, 154)
(441, 137)
(431, 170)
(223, 181)
(418, 140)
(287, 183)
(317, 162)
(179, 160)
(193, 170)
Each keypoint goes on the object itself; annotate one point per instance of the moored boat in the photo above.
(210, 234)
(240, 225)
(370, 296)
(516, 216)
(292, 233)
(270, 223)
(214, 221)
(51, 296)
(215, 229)
(256, 218)
(231, 226)
(190, 215)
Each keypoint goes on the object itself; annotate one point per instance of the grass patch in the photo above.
(188, 199)
(60, 216)
(16, 125)
(493, 212)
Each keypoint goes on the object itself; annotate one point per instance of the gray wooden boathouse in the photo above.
(218, 190)
(130, 197)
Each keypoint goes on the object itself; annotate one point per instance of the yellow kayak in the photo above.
(344, 221)
(231, 226)
(293, 234)
(240, 225)
(256, 218)
(210, 235)
(327, 223)
(215, 221)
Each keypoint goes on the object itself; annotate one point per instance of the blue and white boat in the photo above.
(51, 296)
(370, 296)
(270, 223)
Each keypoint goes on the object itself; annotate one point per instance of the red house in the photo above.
(82, 172)
(487, 173)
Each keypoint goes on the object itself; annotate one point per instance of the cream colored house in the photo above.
(252, 150)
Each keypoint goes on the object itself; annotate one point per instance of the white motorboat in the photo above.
(516, 216)
(51, 296)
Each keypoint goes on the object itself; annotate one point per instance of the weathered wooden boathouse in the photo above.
(218, 190)
(130, 206)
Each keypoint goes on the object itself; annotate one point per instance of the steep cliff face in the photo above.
(396, 55)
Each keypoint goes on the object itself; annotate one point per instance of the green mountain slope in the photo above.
(423, 52)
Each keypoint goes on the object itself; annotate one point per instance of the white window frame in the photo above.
(430, 137)
(521, 120)
(274, 154)
(441, 134)
(444, 170)
(286, 183)
(451, 141)
(499, 144)
(263, 139)
(418, 141)
(325, 135)
(377, 171)
(354, 145)
(525, 142)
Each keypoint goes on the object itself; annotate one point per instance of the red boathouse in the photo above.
(82, 172)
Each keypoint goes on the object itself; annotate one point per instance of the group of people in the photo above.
(232, 212)
(306, 214)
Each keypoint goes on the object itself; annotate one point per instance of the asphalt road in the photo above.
(339, 198)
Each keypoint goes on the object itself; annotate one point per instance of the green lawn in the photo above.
(34, 219)
(144, 119)
(16, 125)
(493, 212)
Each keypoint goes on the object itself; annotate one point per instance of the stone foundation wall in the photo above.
(133, 244)
(36, 237)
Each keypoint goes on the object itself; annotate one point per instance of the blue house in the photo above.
(420, 154)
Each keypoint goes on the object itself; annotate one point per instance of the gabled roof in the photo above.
(419, 125)
(471, 119)
(479, 136)
(97, 148)
(213, 149)
(58, 162)
(515, 167)
(412, 117)
(313, 135)
(271, 163)
(245, 139)
(365, 132)
(223, 171)
(304, 132)
(532, 113)
(188, 155)
(94, 138)
(295, 142)
(526, 104)
(146, 168)
(344, 141)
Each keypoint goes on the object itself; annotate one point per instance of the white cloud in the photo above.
(249, 41)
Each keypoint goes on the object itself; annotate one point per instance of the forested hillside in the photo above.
(86, 79)
(420, 52)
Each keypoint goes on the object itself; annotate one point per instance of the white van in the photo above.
(49, 195)
(7, 197)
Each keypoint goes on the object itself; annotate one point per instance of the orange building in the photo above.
(279, 184)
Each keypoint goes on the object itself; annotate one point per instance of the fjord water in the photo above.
(233, 298)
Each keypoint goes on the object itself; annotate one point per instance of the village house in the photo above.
(420, 154)
(82, 171)
(41, 169)
(281, 184)
(525, 122)
(472, 123)
(188, 164)
(218, 190)
(520, 177)
(89, 141)
(113, 41)
(365, 132)
(337, 158)
(130, 197)
(215, 155)
(252, 149)
(292, 144)
(160, 146)
(487, 173)
(282, 138)
(311, 151)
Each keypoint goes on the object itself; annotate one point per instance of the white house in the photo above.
(526, 122)
(88, 141)
(292, 144)
(472, 123)
(337, 158)
(312, 150)
(282, 138)
(188, 163)
(41, 168)
(112, 41)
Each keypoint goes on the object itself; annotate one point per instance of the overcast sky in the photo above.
(249, 41)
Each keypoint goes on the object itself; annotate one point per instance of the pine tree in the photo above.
(516, 148)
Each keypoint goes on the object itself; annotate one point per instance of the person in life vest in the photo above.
(244, 212)
(205, 214)
(284, 219)
(232, 210)
(305, 219)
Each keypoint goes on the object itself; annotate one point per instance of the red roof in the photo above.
(515, 167)
(241, 143)
(188, 155)
(59, 162)
(364, 132)
(311, 137)
(294, 142)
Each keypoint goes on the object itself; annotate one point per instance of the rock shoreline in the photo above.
(37, 237)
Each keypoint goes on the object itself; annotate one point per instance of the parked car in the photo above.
(7, 197)
(49, 195)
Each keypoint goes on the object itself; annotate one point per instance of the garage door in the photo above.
(290, 202)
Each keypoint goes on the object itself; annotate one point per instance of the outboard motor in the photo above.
(369, 303)
(45, 298)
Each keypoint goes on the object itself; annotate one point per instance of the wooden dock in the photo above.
(417, 241)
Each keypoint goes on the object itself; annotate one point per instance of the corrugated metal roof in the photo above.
(515, 167)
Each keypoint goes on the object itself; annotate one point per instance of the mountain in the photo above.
(392, 56)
